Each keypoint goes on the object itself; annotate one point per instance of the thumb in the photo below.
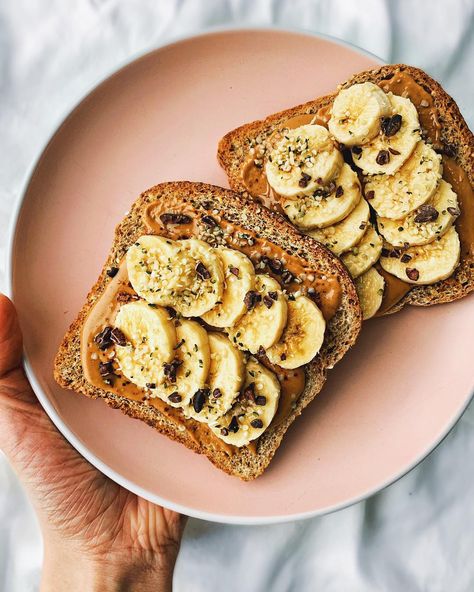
(18, 403)
(11, 342)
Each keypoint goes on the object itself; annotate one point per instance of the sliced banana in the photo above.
(188, 370)
(370, 287)
(411, 186)
(425, 264)
(263, 324)
(386, 153)
(301, 160)
(154, 269)
(203, 278)
(225, 379)
(150, 336)
(364, 254)
(303, 335)
(356, 113)
(239, 278)
(253, 411)
(340, 237)
(423, 225)
(326, 206)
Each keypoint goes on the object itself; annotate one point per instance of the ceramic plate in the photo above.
(384, 407)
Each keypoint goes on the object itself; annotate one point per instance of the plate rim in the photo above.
(42, 397)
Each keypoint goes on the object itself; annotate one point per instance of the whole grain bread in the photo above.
(341, 333)
(455, 134)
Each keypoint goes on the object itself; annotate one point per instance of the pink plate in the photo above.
(389, 402)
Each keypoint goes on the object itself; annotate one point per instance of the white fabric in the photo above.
(418, 534)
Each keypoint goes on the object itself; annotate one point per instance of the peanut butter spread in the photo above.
(402, 84)
(294, 274)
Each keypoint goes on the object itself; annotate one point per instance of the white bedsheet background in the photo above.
(417, 535)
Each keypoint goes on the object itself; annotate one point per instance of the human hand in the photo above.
(97, 535)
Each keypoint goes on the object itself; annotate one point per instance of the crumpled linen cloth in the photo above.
(415, 536)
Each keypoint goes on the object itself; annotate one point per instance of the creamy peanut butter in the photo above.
(326, 291)
(402, 84)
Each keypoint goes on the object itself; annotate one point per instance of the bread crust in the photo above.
(233, 151)
(342, 329)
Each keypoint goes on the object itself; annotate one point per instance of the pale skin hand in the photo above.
(97, 535)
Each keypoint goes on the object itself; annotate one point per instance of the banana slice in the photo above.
(239, 278)
(327, 206)
(303, 335)
(265, 319)
(428, 222)
(364, 254)
(399, 135)
(370, 287)
(356, 113)
(411, 186)
(253, 411)
(425, 264)
(302, 159)
(188, 370)
(203, 278)
(340, 237)
(154, 269)
(225, 379)
(151, 337)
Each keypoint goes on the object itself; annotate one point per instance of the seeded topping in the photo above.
(234, 271)
(118, 337)
(179, 344)
(199, 399)
(169, 370)
(150, 385)
(234, 425)
(391, 125)
(412, 273)
(339, 191)
(426, 213)
(370, 194)
(112, 271)
(383, 157)
(209, 221)
(305, 179)
(405, 258)
(202, 271)
(267, 301)
(256, 423)
(251, 299)
(261, 400)
(170, 218)
(103, 339)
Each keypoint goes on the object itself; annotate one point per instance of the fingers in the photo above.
(11, 342)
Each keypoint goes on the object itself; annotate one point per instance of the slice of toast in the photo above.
(342, 328)
(456, 141)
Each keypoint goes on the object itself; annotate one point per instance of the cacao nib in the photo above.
(170, 218)
(426, 213)
(412, 273)
(251, 299)
(391, 125)
(202, 271)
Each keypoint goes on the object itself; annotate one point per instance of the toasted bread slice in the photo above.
(456, 141)
(341, 333)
